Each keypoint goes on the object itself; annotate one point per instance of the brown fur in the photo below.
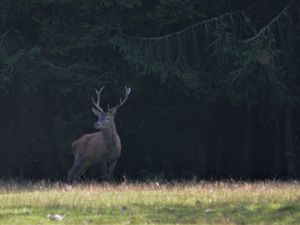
(102, 147)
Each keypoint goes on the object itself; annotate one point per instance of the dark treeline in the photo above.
(219, 99)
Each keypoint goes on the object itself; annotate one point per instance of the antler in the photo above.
(97, 104)
(127, 92)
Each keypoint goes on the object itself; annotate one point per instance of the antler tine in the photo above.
(127, 92)
(97, 104)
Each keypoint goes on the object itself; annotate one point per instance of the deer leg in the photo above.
(111, 169)
(104, 170)
(70, 173)
(78, 168)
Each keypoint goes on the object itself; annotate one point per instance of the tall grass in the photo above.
(151, 203)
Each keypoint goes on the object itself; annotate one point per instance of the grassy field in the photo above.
(151, 203)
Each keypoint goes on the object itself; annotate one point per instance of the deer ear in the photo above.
(95, 111)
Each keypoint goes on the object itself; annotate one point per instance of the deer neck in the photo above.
(110, 134)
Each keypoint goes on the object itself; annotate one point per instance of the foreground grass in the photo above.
(180, 203)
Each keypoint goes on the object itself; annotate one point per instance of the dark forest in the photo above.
(215, 86)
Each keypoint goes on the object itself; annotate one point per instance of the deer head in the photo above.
(106, 118)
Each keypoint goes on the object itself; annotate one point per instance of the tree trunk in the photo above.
(219, 170)
(278, 153)
(290, 155)
(203, 143)
(248, 146)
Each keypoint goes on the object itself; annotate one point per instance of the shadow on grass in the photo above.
(215, 213)
(246, 213)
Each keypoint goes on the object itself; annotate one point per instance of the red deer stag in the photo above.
(102, 147)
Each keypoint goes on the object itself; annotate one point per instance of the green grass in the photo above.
(152, 203)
